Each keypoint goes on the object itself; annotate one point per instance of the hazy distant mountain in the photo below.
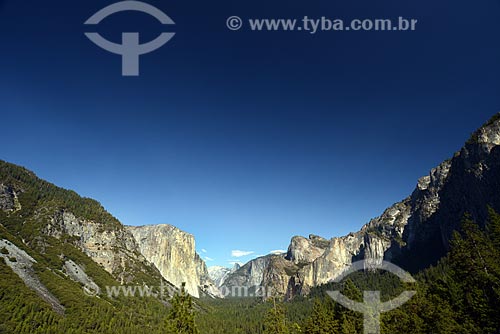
(218, 274)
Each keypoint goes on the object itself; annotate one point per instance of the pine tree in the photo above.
(180, 319)
(351, 322)
(493, 228)
(322, 319)
(275, 321)
(474, 262)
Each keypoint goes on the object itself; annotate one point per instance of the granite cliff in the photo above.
(172, 251)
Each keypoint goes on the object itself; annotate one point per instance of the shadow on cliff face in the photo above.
(471, 187)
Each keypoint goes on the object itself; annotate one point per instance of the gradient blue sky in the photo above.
(246, 139)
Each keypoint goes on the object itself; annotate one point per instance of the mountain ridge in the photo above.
(413, 232)
(41, 213)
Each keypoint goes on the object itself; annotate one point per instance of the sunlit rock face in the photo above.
(114, 249)
(173, 252)
(303, 250)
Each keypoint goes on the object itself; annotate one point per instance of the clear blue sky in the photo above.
(246, 139)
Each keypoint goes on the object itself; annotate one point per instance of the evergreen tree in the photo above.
(474, 262)
(493, 228)
(181, 315)
(351, 322)
(275, 321)
(322, 319)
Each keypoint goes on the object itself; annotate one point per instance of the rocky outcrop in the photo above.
(206, 284)
(302, 250)
(172, 251)
(333, 261)
(267, 275)
(22, 264)
(413, 233)
(8, 199)
(77, 274)
(114, 249)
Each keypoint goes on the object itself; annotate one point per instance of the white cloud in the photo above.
(240, 253)
(203, 250)
(208, 258)
(277, 251)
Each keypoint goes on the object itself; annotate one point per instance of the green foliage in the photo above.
(388, 284)
(35, 193)
(322, 319)
(181, 316)
(474, 262)
(24, 312)
(275, 321)
(245, 315)
(493, 228)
